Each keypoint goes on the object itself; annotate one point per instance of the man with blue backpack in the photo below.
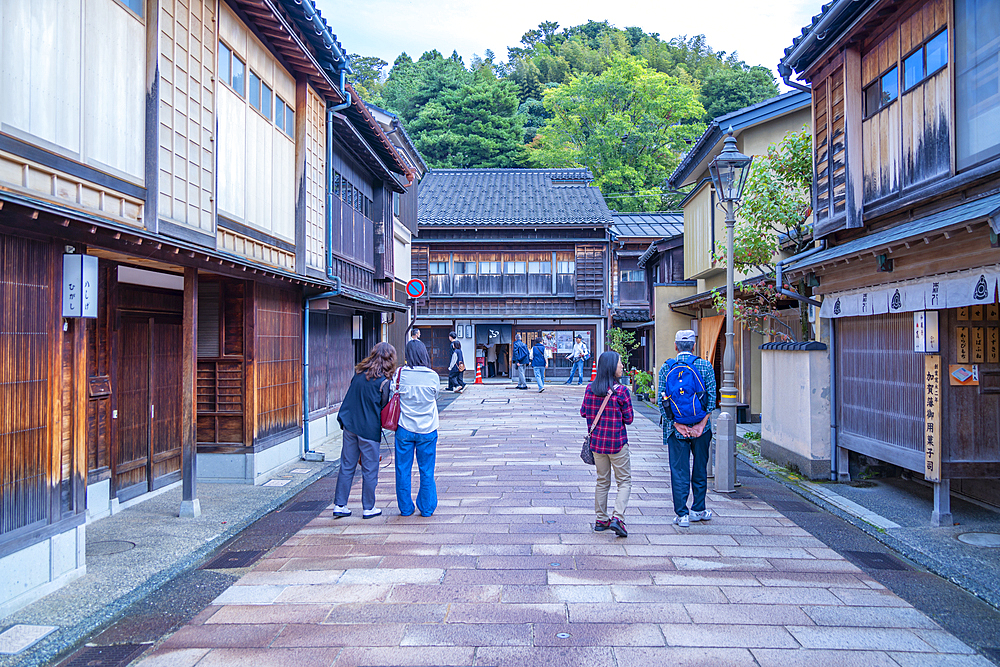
(687, 397)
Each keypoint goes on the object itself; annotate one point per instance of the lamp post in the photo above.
(729, 172)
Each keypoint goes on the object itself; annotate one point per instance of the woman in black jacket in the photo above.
(360, 417)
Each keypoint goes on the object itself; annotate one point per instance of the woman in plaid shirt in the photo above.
(609, 441)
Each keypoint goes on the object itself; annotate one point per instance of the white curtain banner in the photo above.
(955, 290)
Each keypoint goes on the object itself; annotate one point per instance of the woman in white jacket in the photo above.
(419, 387)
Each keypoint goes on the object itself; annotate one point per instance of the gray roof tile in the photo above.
(482, 197)
(647, 225)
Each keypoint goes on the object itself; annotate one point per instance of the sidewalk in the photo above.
(508, 572)
(136, 551)
(896, 512)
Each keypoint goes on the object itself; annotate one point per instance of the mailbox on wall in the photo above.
(79, 297)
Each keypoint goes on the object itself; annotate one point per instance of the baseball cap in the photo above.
(685, 335)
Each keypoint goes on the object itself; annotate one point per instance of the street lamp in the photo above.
(729, 172)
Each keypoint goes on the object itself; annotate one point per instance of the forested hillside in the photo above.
(622, 102)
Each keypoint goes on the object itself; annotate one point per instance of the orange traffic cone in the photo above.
(479, 374)
(593, 373)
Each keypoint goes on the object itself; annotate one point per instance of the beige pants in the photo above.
(622, 466)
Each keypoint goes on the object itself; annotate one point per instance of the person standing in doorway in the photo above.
(417, 434)
(456, 368)
(609, 440)
(579, 355)
(361, 420)
(520, 358)
(687, 398)
(539, 362)
(491, 361)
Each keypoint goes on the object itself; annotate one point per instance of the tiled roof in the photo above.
(632, 314)
(834, 17)
(647, 225)
(484, 197)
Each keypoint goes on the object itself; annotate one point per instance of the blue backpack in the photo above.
(686, 398)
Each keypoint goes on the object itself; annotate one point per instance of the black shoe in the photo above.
(618, 526)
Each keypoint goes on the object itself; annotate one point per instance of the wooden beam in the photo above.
(190, 506)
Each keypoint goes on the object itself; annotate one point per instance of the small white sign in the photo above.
(277, 482)
(925, 331)
(79, 298)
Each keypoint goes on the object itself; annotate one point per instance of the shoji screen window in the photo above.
(515, 274)
(565, 273)
(438, 273)
(465, 273)
(540, 273)
(490, 281)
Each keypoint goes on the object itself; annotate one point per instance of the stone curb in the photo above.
(925, 560)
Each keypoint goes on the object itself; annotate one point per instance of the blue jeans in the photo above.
(540, 376)
(577, 367)
(685, 479)
(425, 447)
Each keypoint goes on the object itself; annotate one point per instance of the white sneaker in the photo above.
(704, 515)
(341, 511)
(371, 514)
(683, 521)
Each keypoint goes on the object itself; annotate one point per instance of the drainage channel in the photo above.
(969, 618)
(142, 625)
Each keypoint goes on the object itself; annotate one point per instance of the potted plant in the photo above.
(642, 384)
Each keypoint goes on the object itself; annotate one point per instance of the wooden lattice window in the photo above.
(590, 272)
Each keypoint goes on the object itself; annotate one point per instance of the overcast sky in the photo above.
(758, 31)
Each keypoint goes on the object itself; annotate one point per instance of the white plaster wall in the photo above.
(795, 401)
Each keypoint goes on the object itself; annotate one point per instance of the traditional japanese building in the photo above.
(508, 251)
(176, 178)
(404, 222)
(648, 251)
(906, 129)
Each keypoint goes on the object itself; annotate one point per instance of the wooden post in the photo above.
(190, 505)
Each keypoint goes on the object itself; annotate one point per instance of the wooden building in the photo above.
(906, 117)
(508, 251)
(755, 127)
(176, 177)
(637, 268)
(404, 222)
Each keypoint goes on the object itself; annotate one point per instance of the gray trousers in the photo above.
(519, 373)
(357, 449)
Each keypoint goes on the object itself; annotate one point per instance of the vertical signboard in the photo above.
(962, 345)
(925, 331)
(993, 345)
(79, 295)
(932, 418)
(978, 345)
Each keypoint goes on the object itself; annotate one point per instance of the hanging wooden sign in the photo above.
(993, 312)
(962, 344)
(993, 345)
(978, 344)
(975, 313)
(932, 418)
(963, 313)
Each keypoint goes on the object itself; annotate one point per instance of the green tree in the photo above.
(628, 125)
(773, 217)
(730, 88)
(534, 116)
(624, 343)
(401, 84)
(367, 77)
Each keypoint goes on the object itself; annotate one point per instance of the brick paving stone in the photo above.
(684, 657)
(770, 657)
(599, 634)
(510, 561)
(271, 657)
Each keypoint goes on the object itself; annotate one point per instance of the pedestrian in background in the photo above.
(417, 434)
(456, 369)
(520, 358)
(579, 355)
(687, 397)
(360, 417)
(609, 440)
(539, 363)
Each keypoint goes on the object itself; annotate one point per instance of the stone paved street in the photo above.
(508, 571)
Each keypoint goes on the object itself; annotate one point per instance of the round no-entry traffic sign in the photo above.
(415, 288)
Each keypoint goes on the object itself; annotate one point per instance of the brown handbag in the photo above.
(392, 409)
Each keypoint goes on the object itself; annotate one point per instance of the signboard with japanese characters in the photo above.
(79, 296)
(993, 345)
(978, 344)
(962, 345)
(932, 418)
(925, 331)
